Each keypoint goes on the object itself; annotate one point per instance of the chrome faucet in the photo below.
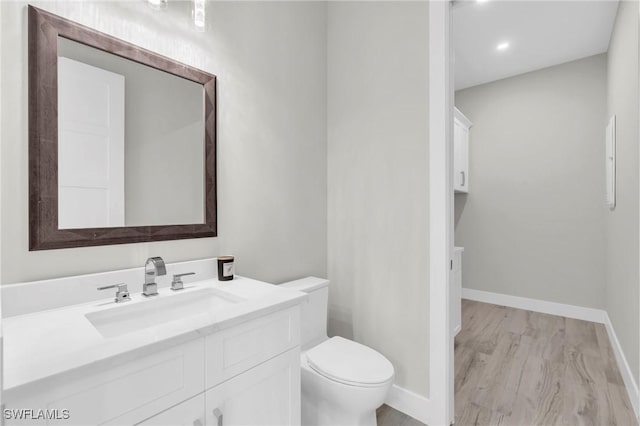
(154, 267)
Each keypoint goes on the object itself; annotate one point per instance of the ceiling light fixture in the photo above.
(481, 1)
(503, 46)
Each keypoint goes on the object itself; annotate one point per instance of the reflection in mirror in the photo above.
(130, 142)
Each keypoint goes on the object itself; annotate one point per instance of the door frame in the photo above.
(441, 353)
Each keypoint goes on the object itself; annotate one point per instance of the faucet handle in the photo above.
(177, 283)
(122, 293)
(183, 275)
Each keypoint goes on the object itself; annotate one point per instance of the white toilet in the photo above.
(343, 382)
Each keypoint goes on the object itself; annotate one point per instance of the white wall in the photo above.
(621, 224)
(378, 181)
(532, 223)
(270, 59)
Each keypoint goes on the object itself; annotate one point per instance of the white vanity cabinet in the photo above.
(461, 127)
(249, 372)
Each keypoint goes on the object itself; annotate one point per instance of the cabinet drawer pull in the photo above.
(197, 422)
(218, 415)
(463, 178)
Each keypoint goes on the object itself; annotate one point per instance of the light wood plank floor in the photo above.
(522, 368)
(387, 416)
(516, 367)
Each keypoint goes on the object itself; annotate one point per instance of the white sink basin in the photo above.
(157, 310)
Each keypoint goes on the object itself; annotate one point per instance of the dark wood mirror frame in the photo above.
(44, 30)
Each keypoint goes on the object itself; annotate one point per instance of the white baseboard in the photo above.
(627, 376)
(568, 311)
(536, 305)
(410, 403)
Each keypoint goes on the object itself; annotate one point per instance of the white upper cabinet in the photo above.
(461, 126)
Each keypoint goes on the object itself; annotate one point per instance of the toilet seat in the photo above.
(350, 363)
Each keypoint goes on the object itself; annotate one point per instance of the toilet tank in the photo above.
(314, 310)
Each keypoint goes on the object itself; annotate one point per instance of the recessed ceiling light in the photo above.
(503, 46)
(481, 1)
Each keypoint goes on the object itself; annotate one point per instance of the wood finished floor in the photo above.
(387, 416)
(522, 368)
(516, 367)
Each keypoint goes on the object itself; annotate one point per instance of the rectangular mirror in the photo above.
(122, 141)
(130, 142)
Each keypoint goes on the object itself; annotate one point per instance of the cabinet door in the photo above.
(460, 156)
(464, 159)
(188, 413)
(268, 394)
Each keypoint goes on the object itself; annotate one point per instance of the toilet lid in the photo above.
(349, 362)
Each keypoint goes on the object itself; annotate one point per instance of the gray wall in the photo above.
(270, 59)
(379, 182)
(621, 224)
(531, 224)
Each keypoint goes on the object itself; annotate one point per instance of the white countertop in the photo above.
(44, 344)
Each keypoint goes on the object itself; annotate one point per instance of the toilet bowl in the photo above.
(343, 382)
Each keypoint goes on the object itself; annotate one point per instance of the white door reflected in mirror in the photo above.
(90, 146)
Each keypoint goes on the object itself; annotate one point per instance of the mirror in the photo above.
(122, 140)
(130, 142)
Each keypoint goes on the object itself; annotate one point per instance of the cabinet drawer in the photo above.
(125, 394)
(232, 351)
(189, 413)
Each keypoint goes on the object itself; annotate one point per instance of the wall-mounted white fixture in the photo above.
(199, 14)
(503, 46)
(157, 4)
(610, 168)
(198, 11)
